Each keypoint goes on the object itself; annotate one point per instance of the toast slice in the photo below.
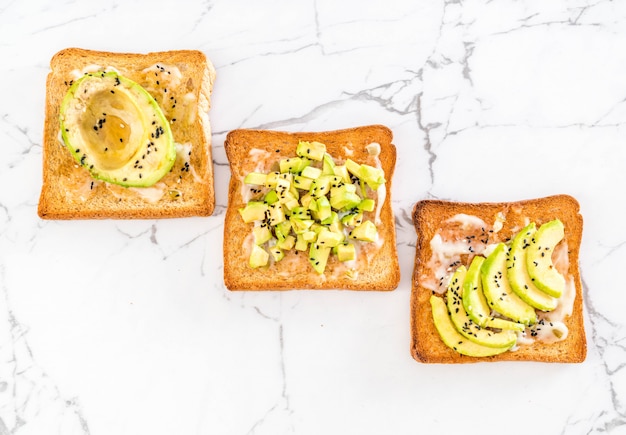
(181, 82)
(458, 227)
(257, 150)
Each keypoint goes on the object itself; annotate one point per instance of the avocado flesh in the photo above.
(465, 325)
(539, 258)
(116, 130)
(452, 338)
(498, 291)
(518, 276)
(474, 300)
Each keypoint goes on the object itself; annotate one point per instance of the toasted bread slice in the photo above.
(256, 150)
(181, 82)
(457, 223)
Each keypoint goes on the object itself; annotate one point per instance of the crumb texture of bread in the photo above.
(181, 81)
(507, 218)
(259, 150)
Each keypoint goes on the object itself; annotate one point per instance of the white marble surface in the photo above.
(125, 327)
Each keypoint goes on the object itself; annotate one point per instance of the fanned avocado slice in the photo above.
(116, 130)
(465, 325)
(517, 272)
(498, 291)
(539, 258)
(451, 336)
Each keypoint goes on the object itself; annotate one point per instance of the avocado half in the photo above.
(116, 130)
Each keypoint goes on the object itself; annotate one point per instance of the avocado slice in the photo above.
(366, 231)
(311, 150)
(452, 338)
(474, 300)
(539, 258)
(517, 272)
(116, 130)
(318, 257)
(498, 291)
(258, 257)
(464, 324)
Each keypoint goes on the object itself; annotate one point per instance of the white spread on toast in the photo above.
(463, 236)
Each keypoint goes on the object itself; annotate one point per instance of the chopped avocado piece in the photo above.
(301, 244)
(329, 239)
(311, 150)
(277, 253)
(367, 204)
(277, 215)
(498, 291)
(311, 172)
(352, 218)
(374, 177)
(452, 338)
(539, 258)
(323, 208)
(353, 168)
(517, 272)
(253, 211)
(301, 182)
(287, 243)
(318, 257)
(309, 236)
(300, 213)
(474, 300)
(464, 324)
(282, 229)
(271, 179)
(299, 225)
(262, 234)
(116, 130)
(342, 198)
(346, 252)
(294, 165)
(256, 178)
(328, 165)
(366, 231)
(320, 186)
(342, 172)
(258, 257)
(331, 220)
(271, 197)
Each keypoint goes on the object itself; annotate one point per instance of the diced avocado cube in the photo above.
(352, 219)
(329, 239)
(287, 243)
(346, 252)
(320, 186)
(367, 204)
(305, 200)
(271, 178)
(253, 211)
(301, 244)
(366, 232)
(300, 225)
(309, 236)
(353, 168)
(328, 165)
(301, 213)
(323, 208)
(293, 165)
(282, 229)
(261, 234)
(311, 150)
(318, 257)
(333, 218)
(301, 182)
(311, 172)
(277, 253)
(344, 199)
(277, 215)
(374, 177)
(282, 187)
(271, 197)
(342, 171)
(255, 178)
(258, 257)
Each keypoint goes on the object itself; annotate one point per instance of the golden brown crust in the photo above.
(63, 193)
(293, 272)
(428, 215)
